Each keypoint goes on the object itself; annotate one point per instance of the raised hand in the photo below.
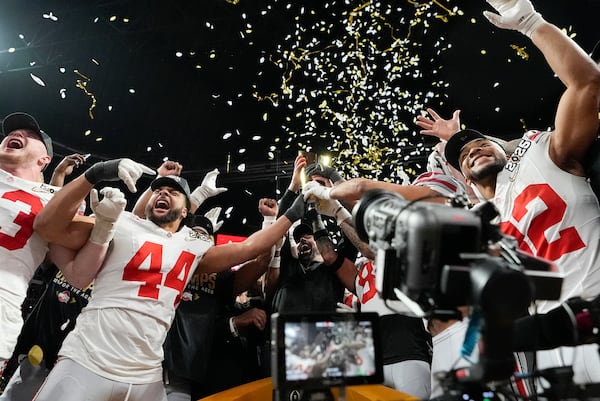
(69, 162)
(207, 189)
(213, 215)
(296, 211)
(112, 170)
(324, 171)
(268, 207)
(170, 168)
(437, 126)
(106, 211)
(299, 164)
(518, 15)
(315, 190)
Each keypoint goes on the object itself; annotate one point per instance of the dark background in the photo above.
(229, 80)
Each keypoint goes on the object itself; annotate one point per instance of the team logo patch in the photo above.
(64, 296)
(43, 189)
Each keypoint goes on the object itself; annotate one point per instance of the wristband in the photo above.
(232, 328)
(275, 262)
(267, 221)
(339, 261)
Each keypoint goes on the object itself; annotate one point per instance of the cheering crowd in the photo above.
(143, 305)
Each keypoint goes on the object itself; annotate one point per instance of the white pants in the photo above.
(69, 381)
(410, 377)
(447, 347)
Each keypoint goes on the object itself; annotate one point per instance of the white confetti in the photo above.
(37, 79)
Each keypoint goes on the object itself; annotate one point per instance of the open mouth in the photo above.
(161, 204)
(304, 249)
(14, 143)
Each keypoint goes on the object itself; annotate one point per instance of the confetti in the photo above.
(37, 79)
(349, 83)
(82, 84)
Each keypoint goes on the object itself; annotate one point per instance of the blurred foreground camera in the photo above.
(440, 256)
(443, 257)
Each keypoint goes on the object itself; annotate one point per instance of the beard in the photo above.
(171, 216)
(487, 171)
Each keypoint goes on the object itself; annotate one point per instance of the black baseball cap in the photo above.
(21, 120)
(204, 222)
(173, 181)
(301, 230)
(459, 140)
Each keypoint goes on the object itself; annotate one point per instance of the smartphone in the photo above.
(311, 158)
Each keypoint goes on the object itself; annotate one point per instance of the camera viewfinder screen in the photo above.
(328, 349)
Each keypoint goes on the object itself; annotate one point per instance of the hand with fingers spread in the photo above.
(106, 211)
(207, 189)
(119, 169)
(437, 126)
(213, 215)
(518, 15)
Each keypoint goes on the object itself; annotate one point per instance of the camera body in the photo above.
(413, 242)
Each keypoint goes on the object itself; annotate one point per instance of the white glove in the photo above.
(333, 208)
(107, 212)
(343, 308)
(514, 14)
(130, 172)
(207, 189)
(315, 190)
(213, 215)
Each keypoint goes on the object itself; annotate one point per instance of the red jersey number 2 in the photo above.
(569, 240)
(152, 277)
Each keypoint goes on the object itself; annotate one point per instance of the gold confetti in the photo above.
(521, 51)
(82, 84)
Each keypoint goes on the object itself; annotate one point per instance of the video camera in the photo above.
(442, 257)
(430, 252)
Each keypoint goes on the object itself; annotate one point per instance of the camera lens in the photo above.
(371, 202)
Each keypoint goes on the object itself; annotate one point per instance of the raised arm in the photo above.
(55, 222)
(352, 190)
(80, 267)
(222, 257)
(576, 120)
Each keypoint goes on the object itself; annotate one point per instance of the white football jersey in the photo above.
(21, 249)
(553, 215)
(119, 335)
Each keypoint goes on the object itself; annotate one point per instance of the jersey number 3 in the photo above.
(24, 219)
(152, 277)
